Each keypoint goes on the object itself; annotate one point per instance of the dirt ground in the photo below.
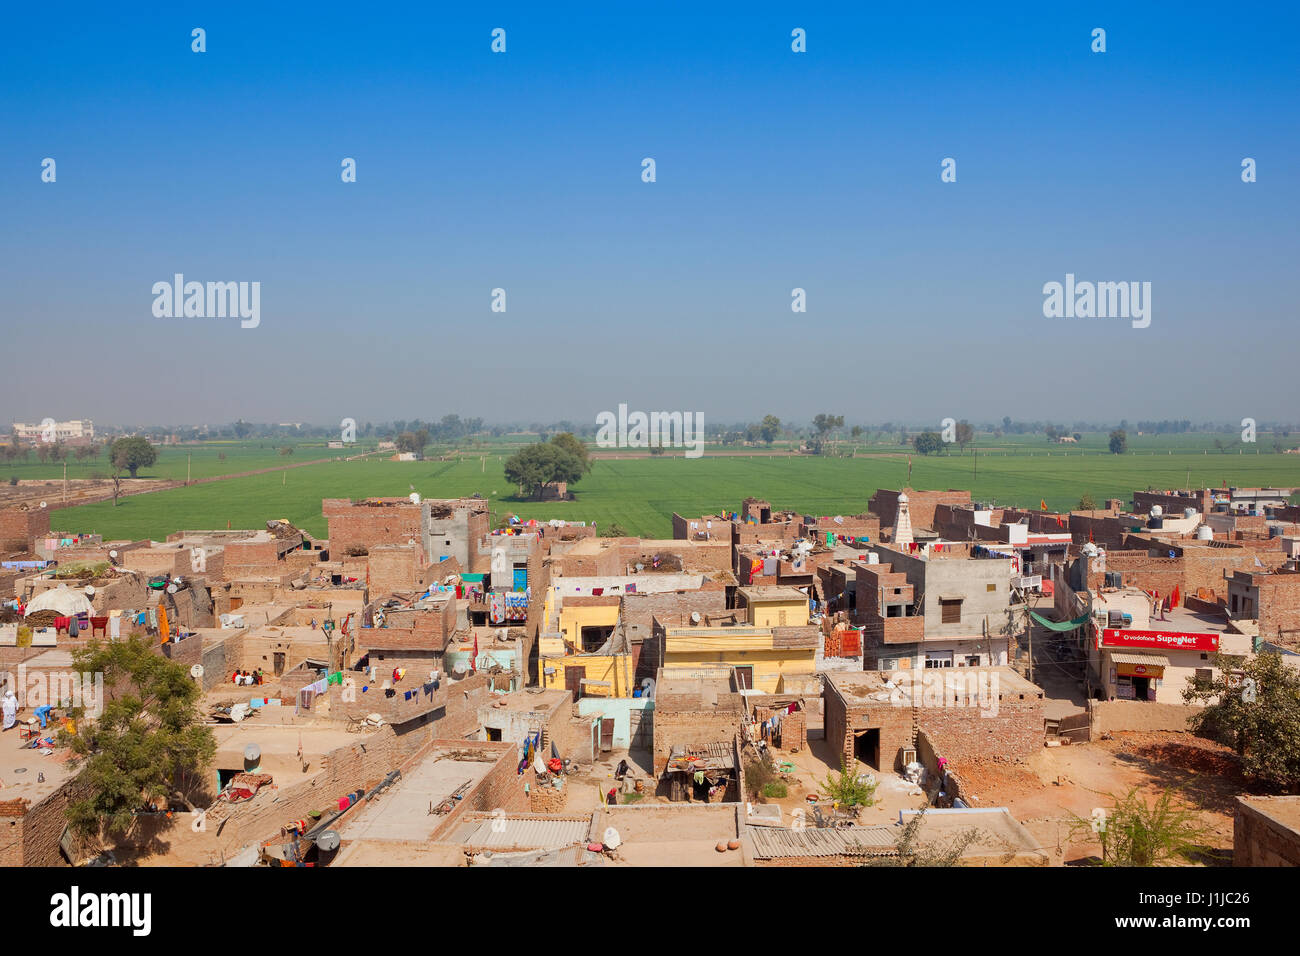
(1074, 780)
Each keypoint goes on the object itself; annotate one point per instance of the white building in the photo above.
(52, 431)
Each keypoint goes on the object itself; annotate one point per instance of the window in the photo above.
(990, 588)
(938, 659)
(972, 660)
(950, 611)
(1204, 676)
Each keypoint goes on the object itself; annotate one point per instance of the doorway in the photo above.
(866, 747)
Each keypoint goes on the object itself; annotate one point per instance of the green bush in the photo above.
(775, 791)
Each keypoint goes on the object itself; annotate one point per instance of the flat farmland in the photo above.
(641, 493)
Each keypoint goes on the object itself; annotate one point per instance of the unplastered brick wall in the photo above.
(501, 789)
(1266, 831)
(1196, 570)
(1173, 504)
(1014, 733)
(30, 832)
(845, 719)
(691, 728)
(20, 528)
(459, 719)
(920, 505)
(363, 526)
(397, 568)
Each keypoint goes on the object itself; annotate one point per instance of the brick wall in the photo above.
(1265, 833)
(19, 528)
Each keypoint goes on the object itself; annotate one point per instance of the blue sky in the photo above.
(522, 170)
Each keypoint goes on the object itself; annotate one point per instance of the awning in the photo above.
(1139, 665)
(1059, 625)
(1150, 660)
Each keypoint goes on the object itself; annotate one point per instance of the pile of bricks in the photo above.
(545, 799)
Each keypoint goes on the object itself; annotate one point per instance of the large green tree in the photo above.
(928, 442)
(132, 453)
(1253, 706)
(1118, 441)
(539, 464)
(574, 446)
(769, 429)
(146, 746)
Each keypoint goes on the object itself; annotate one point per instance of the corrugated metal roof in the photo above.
(1150, 660)
(524, 833)
(769, 843)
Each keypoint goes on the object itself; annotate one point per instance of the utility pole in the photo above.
(65, 481)
(187, 469)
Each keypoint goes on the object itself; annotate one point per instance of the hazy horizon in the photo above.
(522, 170)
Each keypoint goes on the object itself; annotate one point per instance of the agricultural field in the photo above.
(205, 460)
(641, 493)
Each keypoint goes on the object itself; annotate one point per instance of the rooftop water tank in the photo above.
(1189, 512)
(1205, 533)
(1157, 511)
(873, 558)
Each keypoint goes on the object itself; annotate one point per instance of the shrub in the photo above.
(847, 790)
(775, 791)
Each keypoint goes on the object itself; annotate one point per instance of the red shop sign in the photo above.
(1164, 640)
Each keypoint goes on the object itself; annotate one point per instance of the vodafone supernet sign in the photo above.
(1168, 640)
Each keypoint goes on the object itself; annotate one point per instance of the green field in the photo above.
(642, 493)
(204, 460)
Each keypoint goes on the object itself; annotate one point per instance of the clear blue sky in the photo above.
(522, 171)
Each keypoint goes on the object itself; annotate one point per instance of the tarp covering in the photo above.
(1059, 625)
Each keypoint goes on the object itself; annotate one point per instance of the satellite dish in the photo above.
(113, 554)
(329, 840)
(252, 753)
(611, 838)
(695, 617)
(172, 588)
(196, 671)
(90, 590)
(42, 504)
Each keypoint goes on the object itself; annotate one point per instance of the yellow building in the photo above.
(591, 675)
(775, 606)
(762, 661)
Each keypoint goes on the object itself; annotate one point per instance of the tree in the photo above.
(1133, 833)
(286, 450)
(147, 746)
(1087, 503)
(413, 441)
(574, 446)
(845, 789)
(824, 424)
(613, 530)
(242, 429)
(965, 434)
(131, 454)
(537, 465)
(1118, 442)
(927, 442)
(769, 429)
(1253, 706)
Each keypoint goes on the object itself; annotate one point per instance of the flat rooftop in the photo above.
(759, 595)
(21, 769)
(402, 812)
(1284, 810)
